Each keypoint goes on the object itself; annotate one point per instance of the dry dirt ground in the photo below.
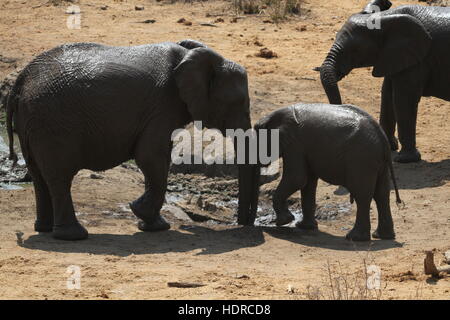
(119, 262)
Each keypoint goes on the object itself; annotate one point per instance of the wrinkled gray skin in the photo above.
(91, 106)
(341, 145)
(411, 51)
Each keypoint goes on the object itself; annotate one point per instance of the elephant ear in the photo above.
(405, 43)
(193, 77)
(191, 44)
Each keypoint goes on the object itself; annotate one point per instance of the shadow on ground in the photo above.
(424, 174)
(189, 238)
(326, 240)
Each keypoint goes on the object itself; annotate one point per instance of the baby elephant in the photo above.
(342, 145)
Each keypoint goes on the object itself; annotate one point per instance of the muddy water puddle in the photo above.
(10, 177)
(176, 208)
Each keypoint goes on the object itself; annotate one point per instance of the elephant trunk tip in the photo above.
(329, 79)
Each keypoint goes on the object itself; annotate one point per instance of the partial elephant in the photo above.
(340, 144)
(410, 47)
(92, 106)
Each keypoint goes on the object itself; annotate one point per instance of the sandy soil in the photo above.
(119, 262)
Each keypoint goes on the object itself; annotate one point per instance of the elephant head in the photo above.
(215, 91)
(389, 41)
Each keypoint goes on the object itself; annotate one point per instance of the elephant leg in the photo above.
(406, 100)
(385, 229)
(57, 162)
(66, 225)
(361, 229)
(387, 115)
(361, 185)
(309, 205)
(147, 207)
(44, 207)
(293, 179)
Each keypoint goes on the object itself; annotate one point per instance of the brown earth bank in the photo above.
(204, 246)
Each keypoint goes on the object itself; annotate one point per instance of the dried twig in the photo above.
(184, 285)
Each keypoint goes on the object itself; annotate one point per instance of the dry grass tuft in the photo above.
(343, 284)
(277, 9)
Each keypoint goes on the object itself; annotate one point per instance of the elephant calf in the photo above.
(341, 145)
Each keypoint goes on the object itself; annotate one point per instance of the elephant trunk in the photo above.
(329, 77)
(248, 184)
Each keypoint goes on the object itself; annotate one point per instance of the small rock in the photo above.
(257, 43)
(266, 53)
(139, 7)
(218, 20)
(447, 256)
(104, 8)
(210, 207)
(96, 176)
(177, 212)
(185, 22)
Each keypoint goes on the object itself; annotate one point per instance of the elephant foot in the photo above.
(383, 234)
(407, 156)
(70, 232)
(284, 217)
(143, 209)
(158, 224)
(41, 226)
(245, 221)
(307, 224)
(394, 143)
(358, 235)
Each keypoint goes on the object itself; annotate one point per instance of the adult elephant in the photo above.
(410, 47)
(91, 106)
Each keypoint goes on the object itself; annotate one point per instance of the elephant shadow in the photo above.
(194, 237)
(423, 174)
(184, 239)
(321, 239)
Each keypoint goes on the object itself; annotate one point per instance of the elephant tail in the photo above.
(388, 159)
(394, 181)
(11, 106)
